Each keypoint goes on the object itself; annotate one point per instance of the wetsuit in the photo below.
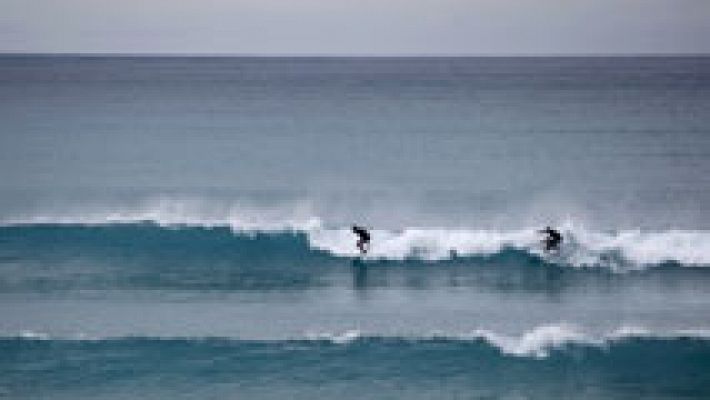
(553, 239)
(363, 238)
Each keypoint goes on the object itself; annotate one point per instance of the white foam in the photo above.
(620, 251)
(169, 212)
(421, 243)
(541, 340)
(345, 337)
(690, 248)
(538, 342)
(33, 335)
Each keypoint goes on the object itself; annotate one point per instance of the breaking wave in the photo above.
(582, 247)
(620, 368)
(538, 342)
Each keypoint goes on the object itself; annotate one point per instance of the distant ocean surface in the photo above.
(177, 227)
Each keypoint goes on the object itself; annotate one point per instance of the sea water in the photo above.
(178, 227)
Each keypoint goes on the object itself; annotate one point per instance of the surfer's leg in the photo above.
(549, 245)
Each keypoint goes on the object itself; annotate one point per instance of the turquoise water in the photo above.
(179, 227)
(214, 369)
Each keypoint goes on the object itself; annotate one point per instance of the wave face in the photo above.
(617, 251)
(363, 367)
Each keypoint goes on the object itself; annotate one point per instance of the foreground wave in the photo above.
(538, 342)
(625, 367)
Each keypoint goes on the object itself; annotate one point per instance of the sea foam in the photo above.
(623, 250)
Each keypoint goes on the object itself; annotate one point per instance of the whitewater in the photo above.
(619, 250)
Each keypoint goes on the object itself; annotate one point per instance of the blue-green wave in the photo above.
(149, 256)
(364, 368)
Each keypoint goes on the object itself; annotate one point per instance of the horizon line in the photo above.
(349, 55)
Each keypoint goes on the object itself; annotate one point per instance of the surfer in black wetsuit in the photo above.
(552, 239)
(363, 238)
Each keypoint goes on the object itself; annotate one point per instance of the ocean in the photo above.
(179, 227)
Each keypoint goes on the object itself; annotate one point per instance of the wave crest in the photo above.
(169, 212)
(538, 342)
(582, 248)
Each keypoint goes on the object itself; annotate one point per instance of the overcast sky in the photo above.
(356, 26)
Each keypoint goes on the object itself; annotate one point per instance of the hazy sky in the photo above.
(356, 26)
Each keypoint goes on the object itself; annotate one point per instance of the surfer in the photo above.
(552, 239)
(363, 240)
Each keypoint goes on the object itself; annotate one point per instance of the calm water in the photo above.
(178, 227)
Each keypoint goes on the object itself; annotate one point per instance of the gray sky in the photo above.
(356, 26)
